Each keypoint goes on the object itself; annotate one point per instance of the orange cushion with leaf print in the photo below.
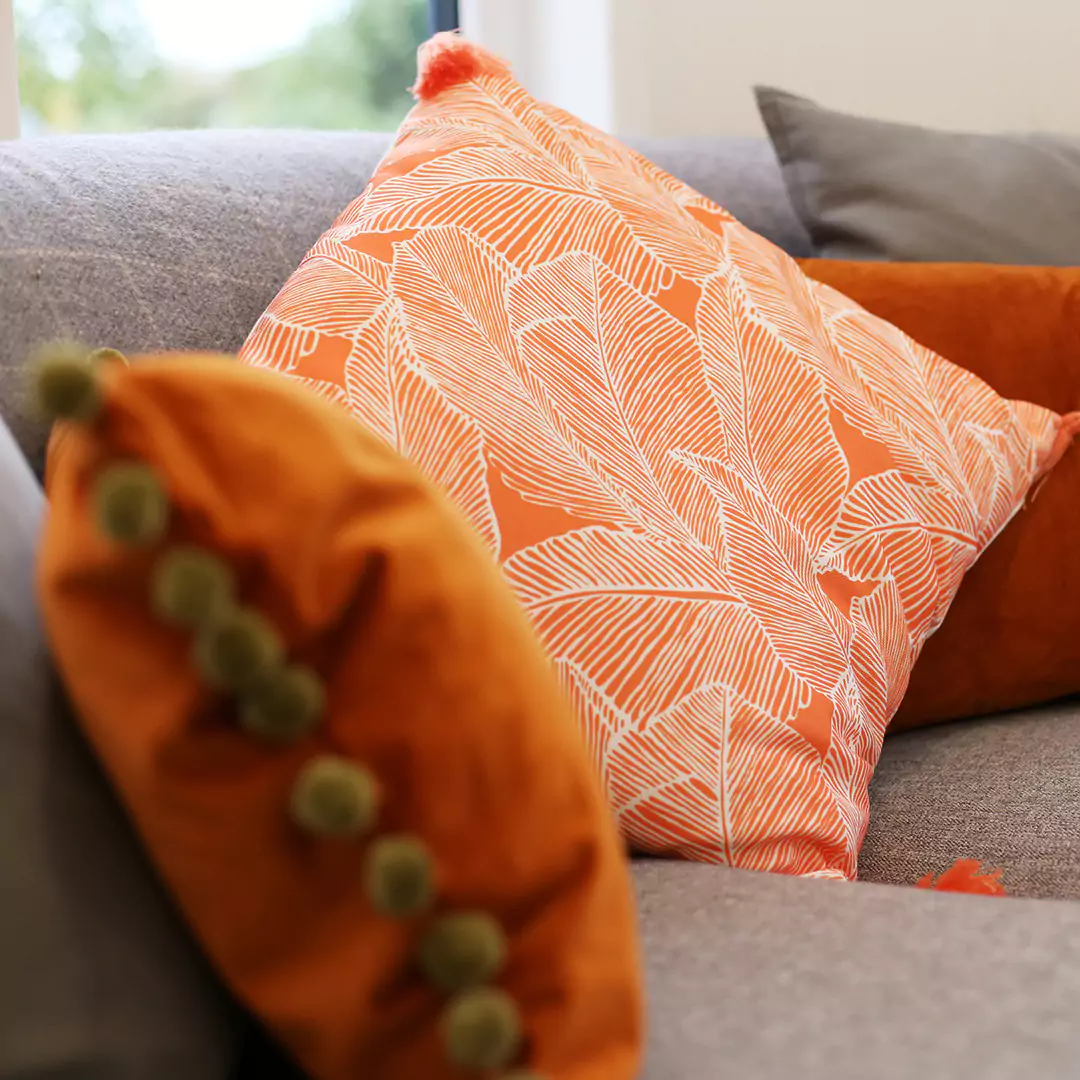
(733, 503)
(435, 690)
(1012, 637)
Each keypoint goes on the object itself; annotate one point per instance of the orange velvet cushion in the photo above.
(1012, 635)
(733, 503)
(441, 719)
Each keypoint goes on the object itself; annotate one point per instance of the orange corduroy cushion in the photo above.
(434, 683)
(1012, 635)
(733, 503)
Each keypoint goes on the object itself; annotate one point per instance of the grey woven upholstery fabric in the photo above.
(99, 979)
(1003, 789)
(160, 241)
(763, 977)
(180, 240)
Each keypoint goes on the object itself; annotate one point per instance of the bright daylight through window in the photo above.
(131, 65)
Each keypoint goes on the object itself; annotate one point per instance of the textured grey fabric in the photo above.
(763, 977)
(159, 241)
(180, 240)
(99, 981)
(866, 189)
(1004, 789)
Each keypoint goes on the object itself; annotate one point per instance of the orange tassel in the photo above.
(966, 876)
(1066, 432)
(448, 59)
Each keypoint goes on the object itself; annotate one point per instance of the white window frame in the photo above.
(9, 81)
(560, 50)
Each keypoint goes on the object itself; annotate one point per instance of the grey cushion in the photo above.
(763, 977)
(866, 189)
(180, 240)
(99, 981)
(1003, 789)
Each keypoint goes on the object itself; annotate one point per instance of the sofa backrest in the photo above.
(179, 240)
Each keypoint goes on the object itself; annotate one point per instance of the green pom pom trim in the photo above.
(285, 707)
(462, 951)
(65, 384)
(189, 587)
(108, 356)
(130, 505)
(334, 797)
(237, 650)
(482, 1029)
(399, 875)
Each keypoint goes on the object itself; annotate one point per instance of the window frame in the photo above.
(442, 15)
(9, 77)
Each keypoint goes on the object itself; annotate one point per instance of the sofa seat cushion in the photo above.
(760, 976)
(1002, 789)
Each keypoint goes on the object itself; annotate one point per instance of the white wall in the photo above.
(685, 67)
(9, 87)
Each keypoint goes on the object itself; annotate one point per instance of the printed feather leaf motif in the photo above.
(393, 396)
(329, 391)
(775, 411)
(715, 766)
(648, 629)
(778, 293)
(620, 376)
(504, 116)
(734, 502)
(451, 290)
(769, 565)
(356, 280)
(499, 197)
(652, 214)
(879, 530)
(888, 369)
(338, 290)
(882, 655)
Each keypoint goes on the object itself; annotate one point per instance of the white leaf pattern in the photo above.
(733, 503)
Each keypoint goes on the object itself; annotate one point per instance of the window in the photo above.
(130, 65)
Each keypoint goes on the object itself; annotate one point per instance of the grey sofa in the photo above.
(179, 241)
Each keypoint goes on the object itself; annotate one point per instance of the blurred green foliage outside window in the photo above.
(91, 65)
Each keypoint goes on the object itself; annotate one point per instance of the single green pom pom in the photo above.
(66, 385)
(285, 706)
(108, 356)
(400, 877)
(190, 586)
(482, 1029)
(334, 797)
(463, 950)
(130, 504)
(237, 649)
